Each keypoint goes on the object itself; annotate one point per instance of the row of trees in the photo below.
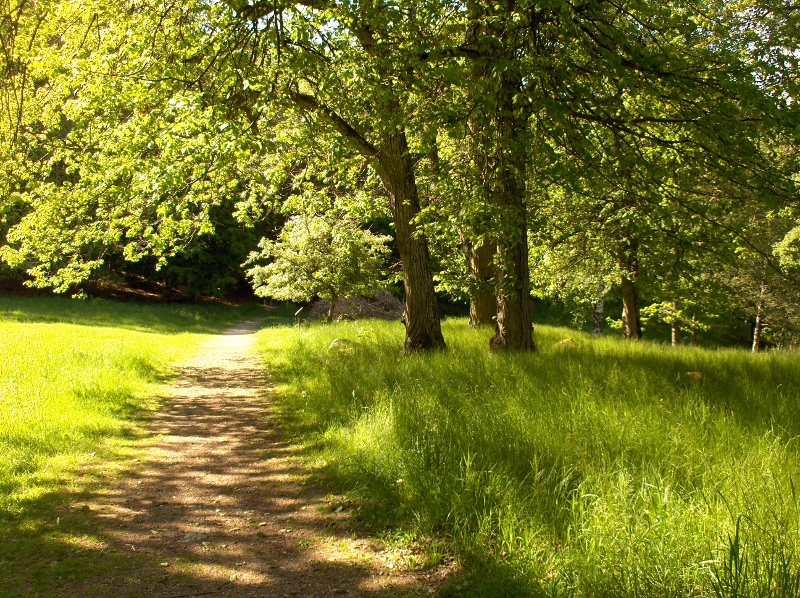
(570, 148)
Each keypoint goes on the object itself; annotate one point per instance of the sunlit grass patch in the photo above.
(77, 380)
(606, 468)
(65, 392)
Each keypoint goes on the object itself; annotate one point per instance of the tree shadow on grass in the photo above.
(144, 317)
(490, 578)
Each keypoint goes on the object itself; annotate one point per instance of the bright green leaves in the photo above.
(126, 125)
(328, 256)
(144, 154)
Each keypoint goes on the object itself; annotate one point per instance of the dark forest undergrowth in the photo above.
(604, 468)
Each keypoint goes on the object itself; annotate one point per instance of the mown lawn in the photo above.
(77, 380)
(602, 469)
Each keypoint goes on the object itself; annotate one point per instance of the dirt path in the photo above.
(222, 506)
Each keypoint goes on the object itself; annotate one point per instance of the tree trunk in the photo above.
(694, 329)
(676, 334)
(483, 302)
(396, 171)
(759, 323)
(598, 308)
(421, 317)
(631, 318)
(331, 309)
(675, 325)
(514, 330)
(631, 322)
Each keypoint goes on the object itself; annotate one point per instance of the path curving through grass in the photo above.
(222, 506)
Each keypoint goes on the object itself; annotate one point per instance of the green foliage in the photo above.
(129, 129)
(759, 278)
(788, 249)
(327, 256)
(669, 313)
(208, 264)
(120, 165)
(601, 469)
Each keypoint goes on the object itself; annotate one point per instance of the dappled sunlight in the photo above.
(222, 505)
(595, 467)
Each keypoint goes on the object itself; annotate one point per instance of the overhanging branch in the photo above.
(311, 104)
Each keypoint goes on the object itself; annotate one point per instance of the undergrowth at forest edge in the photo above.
(602, 469)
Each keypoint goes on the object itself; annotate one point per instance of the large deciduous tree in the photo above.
(349, 66)
(634, 109)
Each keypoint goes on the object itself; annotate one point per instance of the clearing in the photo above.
(592, 468)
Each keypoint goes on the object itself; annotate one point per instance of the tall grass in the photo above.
(596, 470)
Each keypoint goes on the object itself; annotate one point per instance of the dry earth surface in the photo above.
(223, 506)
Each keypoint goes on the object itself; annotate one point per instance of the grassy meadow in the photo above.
(77, 379)
(603, 469)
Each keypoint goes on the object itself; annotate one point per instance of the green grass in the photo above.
(602, 470)
(158, 318)
(77, 380)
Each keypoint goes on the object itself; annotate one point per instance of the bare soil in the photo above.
(223, 505)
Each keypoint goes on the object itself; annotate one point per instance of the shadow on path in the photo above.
(222, 506)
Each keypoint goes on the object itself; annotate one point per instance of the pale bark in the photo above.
(676, 327)
(631, 323)
(759, 323)
(676, 334)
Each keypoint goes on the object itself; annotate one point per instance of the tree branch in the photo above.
(311, 104)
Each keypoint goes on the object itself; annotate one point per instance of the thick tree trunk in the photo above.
(514, 330)
(758, 325)
(396, 170)
(421, 317)
(514, 314)
(598, 308)
(631, 318)
(483, 302)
